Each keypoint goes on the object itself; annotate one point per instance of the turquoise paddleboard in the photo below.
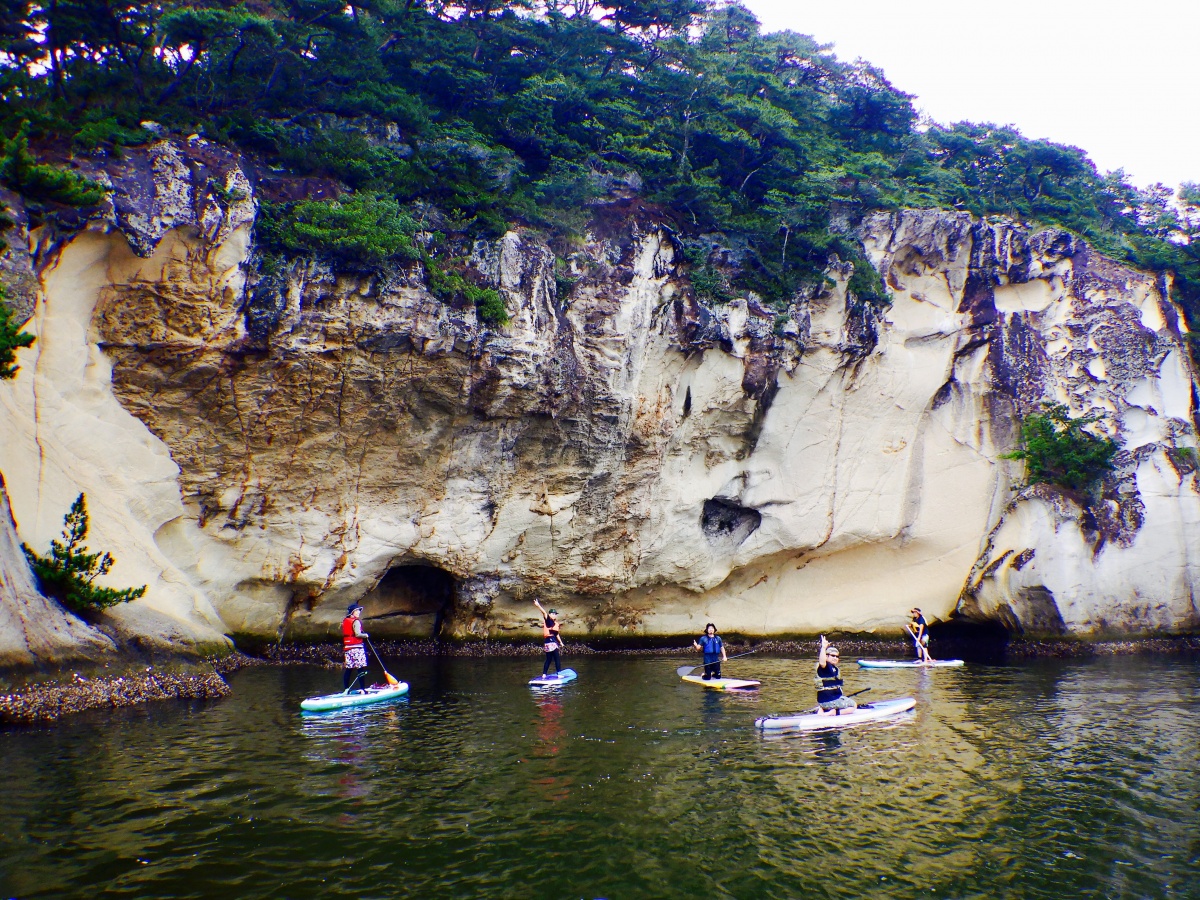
(551, 680)
(369, 697)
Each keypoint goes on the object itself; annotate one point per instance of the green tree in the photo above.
(484, 114)
(1057, 449)
(42, 182)
(69, 573)
(12, 339)
(359, 231)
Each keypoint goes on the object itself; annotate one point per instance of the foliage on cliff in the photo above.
(68, 574)
(763, 148)
(43, 182)
(1058, 449)
(12, 339)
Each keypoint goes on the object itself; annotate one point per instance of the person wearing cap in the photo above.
(829, 681)
(918, 631)
(551, 639)
(355, 660)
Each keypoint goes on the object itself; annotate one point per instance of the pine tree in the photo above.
(12, 339)
(68, 574)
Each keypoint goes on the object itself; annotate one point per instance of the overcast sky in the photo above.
(1124, 86)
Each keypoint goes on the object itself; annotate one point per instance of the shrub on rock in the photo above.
(1059, 450)
(69, 573)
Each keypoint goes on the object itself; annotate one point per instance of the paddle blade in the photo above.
(390, 680)
(685, 670)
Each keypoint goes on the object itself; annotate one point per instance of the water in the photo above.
(1077, 779)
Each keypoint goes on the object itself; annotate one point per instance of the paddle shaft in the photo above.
(388, 675)
(692, 669)
(922, 651)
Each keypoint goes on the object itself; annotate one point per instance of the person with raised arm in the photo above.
(551, 639)
(829, 681)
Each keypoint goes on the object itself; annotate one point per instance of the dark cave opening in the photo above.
(724, 520)
(409, 591)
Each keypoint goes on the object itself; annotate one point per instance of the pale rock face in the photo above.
(33, 630)
(263, 452)
(68, 433)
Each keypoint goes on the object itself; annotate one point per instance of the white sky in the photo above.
(1121, 81)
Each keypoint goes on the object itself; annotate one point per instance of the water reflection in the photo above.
(549, 784)
(1005, 782)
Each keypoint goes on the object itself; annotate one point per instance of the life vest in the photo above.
(711, 648)
(549, 636)
(829, 688)
(349, 638)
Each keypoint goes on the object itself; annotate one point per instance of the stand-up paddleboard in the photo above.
(812, 721)
(908, 663)
(551, 680)
(723, 684)
(369, 697)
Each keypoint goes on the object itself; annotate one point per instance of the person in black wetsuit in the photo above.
(551, 639)
(829, 681)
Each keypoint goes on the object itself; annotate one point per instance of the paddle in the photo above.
(688, 670)
(922, 653)
(386, 674)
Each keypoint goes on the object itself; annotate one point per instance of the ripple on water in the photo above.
(1023, 781)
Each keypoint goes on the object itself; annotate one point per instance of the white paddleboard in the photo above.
(812, 721)
(551, 680)
(908, 663)
(723, 684)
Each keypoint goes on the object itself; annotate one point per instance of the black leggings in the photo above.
(712, 670)
(552, 657)
(350, 676)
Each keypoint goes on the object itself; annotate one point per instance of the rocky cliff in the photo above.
(262, 450)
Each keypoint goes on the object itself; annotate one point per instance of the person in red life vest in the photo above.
(551, 639)
(356, 654)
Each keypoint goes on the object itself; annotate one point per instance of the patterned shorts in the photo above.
(356, 658)
(839, 703)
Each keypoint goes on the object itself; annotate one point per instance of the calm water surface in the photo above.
(1043, 780)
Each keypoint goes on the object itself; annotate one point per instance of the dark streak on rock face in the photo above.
(1018, 359)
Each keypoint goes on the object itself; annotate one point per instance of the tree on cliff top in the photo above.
(69, 573)
(479, 115)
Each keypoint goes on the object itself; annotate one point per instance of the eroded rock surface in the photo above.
(265, 450)
(33, 629)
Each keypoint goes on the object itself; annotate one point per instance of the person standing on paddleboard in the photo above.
(714, 651)
(919, 630)
(355, 661)
(829, 680)
(551, 639)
